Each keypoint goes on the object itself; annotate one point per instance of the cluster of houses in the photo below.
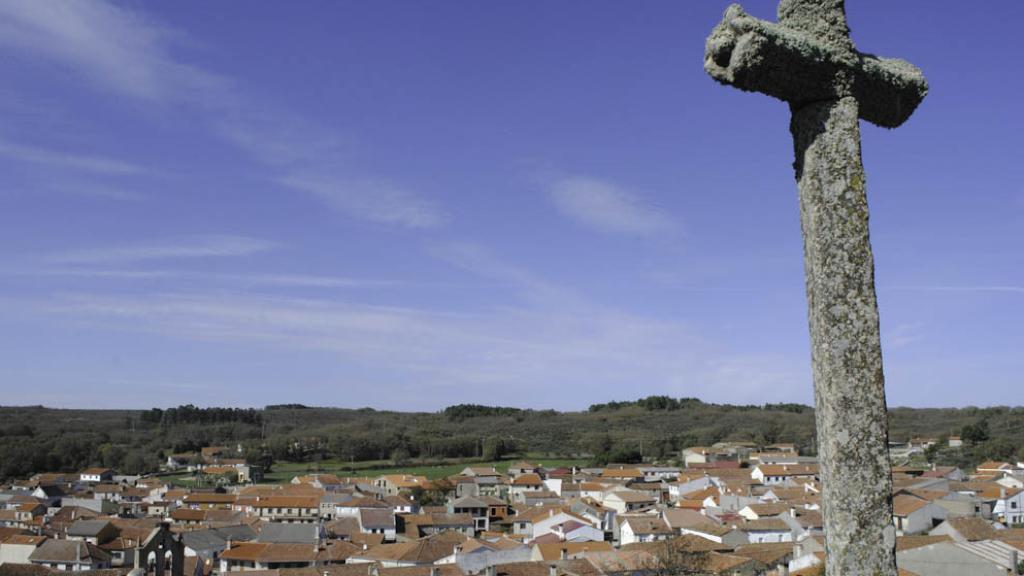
(729, 509)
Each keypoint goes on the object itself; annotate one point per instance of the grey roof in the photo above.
(51, 491)
(994, 551)
(238, 533)
(281, 533)
(87, 528)
(371, 518)
(469, 502)
(68, 551)
(336, 497)
(205, 542)
(444, 519)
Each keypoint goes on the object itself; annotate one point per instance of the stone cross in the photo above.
(808, 60)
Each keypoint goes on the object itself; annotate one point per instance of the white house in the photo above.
(697, 455)
(593, 490)
(96, 475)
(685, 486)
(567, 527)
(720, 533)
(623, 501)
(633, 529)
(525, 483)
(70, 556)
(657, 473)
(1009, 507)
(763, 510)
(781, 473)
(913, 515)
(767, 530)
(18, 548)
(376, 521)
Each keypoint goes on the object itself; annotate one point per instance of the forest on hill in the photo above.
(39, 439)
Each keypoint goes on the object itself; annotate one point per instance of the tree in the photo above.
(975, 433)
(259, 456)
(998, 449)
(112, 455)
(139, 462)
(400, 456)
(494, 448)
(599, 444)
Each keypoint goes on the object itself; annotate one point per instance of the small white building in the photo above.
(634, 529)
(912, 515)
(96, 475)
(623, 501)
(1009, 507)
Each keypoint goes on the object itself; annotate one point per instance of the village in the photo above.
(732, 508)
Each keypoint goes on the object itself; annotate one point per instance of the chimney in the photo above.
(1002, 493)
(492, 570)
(563, 554)
(552, 570)
(433, 571)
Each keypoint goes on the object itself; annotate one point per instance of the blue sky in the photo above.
(410, 205)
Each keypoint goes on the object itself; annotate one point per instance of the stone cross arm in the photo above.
(801, 66)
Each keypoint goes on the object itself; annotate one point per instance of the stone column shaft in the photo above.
(846, 352)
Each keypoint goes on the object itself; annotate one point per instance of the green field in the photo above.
(285, 471)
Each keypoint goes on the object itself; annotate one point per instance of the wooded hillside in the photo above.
(37, 439)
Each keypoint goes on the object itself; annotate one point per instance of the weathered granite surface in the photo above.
(808, 60)
(788, 61)
(846, 351)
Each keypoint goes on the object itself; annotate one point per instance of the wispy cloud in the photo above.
(190, 247)
(112, 47)
(606, 207)
(528, 352)
(95, 273)
(122, 51)
(308, 281)
(479, 261)
(95, 164)
(901, 335)
(219, 279)
(312, 161)
(372, 200)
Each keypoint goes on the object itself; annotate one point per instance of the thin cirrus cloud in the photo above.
(307, 157)
(94, 164)
(210, 246)
(373, 200)
(552, 339)
(608, 208)
(280, 280)
(122, 51)
(112, 47)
